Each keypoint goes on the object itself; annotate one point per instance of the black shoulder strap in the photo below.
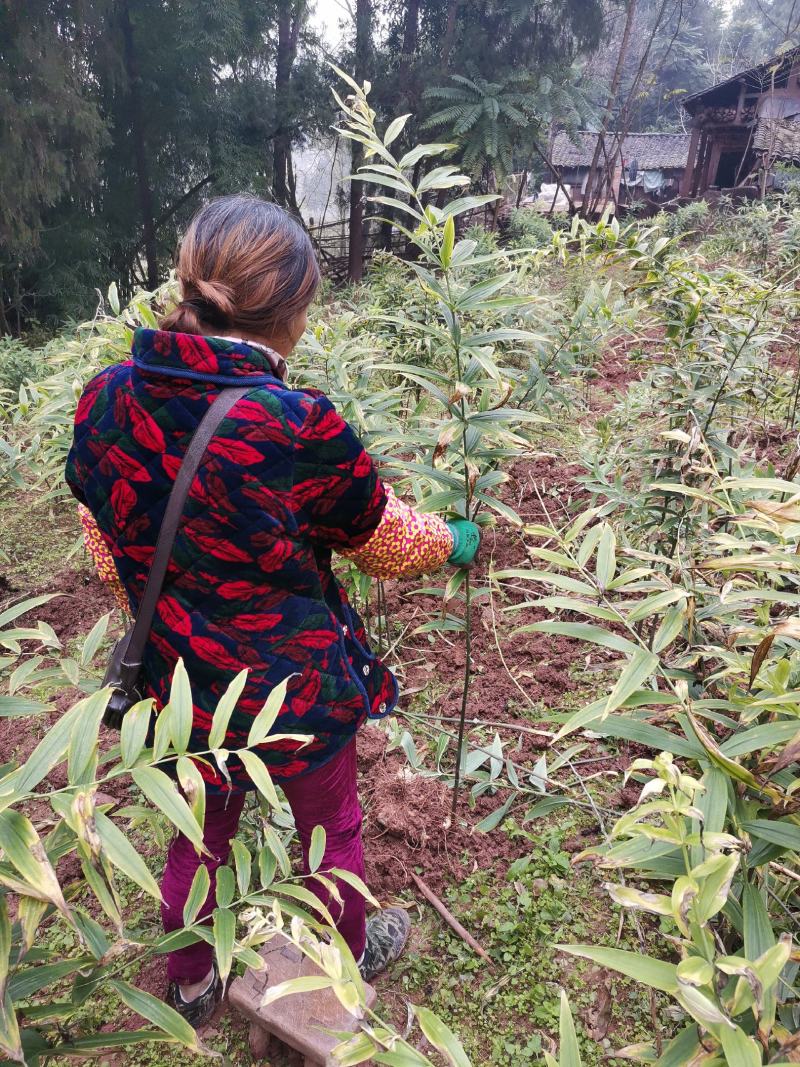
(206, 429)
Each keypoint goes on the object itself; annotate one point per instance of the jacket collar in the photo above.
(217, 360)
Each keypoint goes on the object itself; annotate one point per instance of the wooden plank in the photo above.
(299, 1020)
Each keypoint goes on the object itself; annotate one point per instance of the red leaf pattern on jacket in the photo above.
(250, 583)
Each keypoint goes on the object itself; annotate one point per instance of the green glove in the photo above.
(466, 541)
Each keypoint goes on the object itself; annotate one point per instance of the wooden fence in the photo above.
(331, 239)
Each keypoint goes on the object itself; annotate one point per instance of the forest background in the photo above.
(118, 116)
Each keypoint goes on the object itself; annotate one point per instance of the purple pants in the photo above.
(326, 797)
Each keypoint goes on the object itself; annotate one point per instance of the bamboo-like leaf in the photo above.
(243, 862)
(670, 627)
(782, 832)
(655, 604)
(5, 946)
(494, 818)
(267, 863)
(10, 1041)
(275, 845)
(264, 721)
(441, 1037)
(180, 701)
(682, 1049)
(226, 886)
(135, 724)
(354, 1050)
(158, 1013)
(121, 853)
(740, 1050)
(356, 883)
(83, 739)
(163, 794)
(759, 936)
(305, 896)
(25, 672)
(569, 1053)
(198, 894)
(93, 640)
(606, 556)
(224, 927)
(651, 972)
(12, 707)
(718, 757)
(760, 654)
(308, 983)
(468, 203)
(421, 151)
(316, 849)
(394, 129)
(24, 606)
(713, 803)
(705, 1009)
(259, 775)
(47, 754)
(23, 849)
(583, 631)
(448, 242)
(30, 913)
(225, 708)
(637, 671)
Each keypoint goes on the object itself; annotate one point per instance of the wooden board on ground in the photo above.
(299, 1020)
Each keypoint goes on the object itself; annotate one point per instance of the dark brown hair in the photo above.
(246, 266)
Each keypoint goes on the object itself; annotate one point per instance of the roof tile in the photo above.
(652, 151)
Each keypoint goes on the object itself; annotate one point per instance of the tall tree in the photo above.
(118, 116)
(594, 180)
(291, 14)
(363, 54)
(51, 130)
(136, 125)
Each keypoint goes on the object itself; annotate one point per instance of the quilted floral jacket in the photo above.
(284, 482)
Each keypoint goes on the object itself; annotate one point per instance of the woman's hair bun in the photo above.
(215, 293)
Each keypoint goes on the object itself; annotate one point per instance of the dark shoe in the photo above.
(387, 933)
(197, 1012)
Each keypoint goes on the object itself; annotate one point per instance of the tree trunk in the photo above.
(140, 148)
(283, 68)
(612, 96)
(291, 182)
(355, 244)
(624, 118)
(290, 18)
(5, 329)
(410, 40)
(449, 33)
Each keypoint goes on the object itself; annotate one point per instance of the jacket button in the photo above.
(345, 631)
(382, 707)
(365, 670)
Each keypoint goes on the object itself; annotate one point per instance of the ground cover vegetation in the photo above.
(596, 761)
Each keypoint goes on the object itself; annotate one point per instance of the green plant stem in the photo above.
(464, 692)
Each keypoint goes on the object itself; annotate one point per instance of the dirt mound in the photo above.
(408, 824)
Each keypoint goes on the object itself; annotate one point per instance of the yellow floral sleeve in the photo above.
(406, 544)
(101, 556)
